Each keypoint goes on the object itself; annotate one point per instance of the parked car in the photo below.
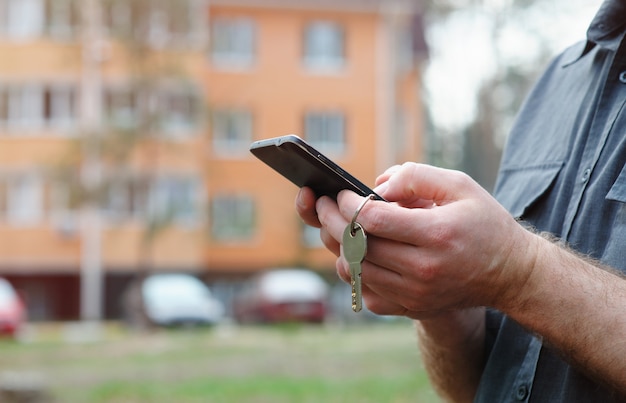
(12, 310)
(282, 295)
(172, 299)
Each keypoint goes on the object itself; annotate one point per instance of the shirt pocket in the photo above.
(614, 253)
(519, 187)
(618, 190)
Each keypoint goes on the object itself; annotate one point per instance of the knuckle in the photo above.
(375, 218)
(460, 179)
(413, 306)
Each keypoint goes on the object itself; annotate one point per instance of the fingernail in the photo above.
(381, 189)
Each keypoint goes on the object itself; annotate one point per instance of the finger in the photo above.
(330, 217)
(413, 182)
(386, 300)
(329, 242)
(384, 177)
(388, 220)
(379, 298)
(372, 300)
(380, 305)
(305, 207)
(343, 269)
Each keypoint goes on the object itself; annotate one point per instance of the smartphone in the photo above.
(303, 165)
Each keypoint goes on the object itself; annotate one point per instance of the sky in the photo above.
(462, 50)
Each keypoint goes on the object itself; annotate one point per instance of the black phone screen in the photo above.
(303, 165)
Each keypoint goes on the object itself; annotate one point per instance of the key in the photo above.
(354, 251)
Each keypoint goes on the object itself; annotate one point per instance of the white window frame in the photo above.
(175, 198)
(24, 19)
(233, 42)
(324, 46)
(399, 133)
(326, 131)
(117, 204)
(30, 107)
(174, 120)
(63, 106)
(127, 199)
(25, 199)
(61, 18)
(4, 197)
(121, 107)
(158, 32)
(25, 109)
(118, 18)
(4, 107)
(232, 130)
(63, 217)
(233, 218)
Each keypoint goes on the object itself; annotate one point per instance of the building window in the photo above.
(21, 107)
(22, 19)
(32, 107)
(232, 131)
(326, 131)
(118, 18)
(174, 200)
(24, 199)
(60, 107)
(405, 48)
(170, 22)
(25, 107)
(232, 218)
(324, 44)
(172, 111)
(4, 198)
(233, 42)
(155, 23)
(121, 108)
(27, 19)
(60, 206)
(62, 18)
(165, 200)
(4, 108)
(126, 199)
(178, 111)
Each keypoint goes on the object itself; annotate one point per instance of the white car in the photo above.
(179, 299)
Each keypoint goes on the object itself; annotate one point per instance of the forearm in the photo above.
(452, 347)
(578, 308)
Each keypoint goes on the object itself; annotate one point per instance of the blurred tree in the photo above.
(476, 148)
(147, 107)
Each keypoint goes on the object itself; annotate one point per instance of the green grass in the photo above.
(364, 363)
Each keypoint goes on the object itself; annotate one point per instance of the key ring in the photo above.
(353, 227)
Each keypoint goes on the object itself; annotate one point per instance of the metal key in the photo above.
(354, 251)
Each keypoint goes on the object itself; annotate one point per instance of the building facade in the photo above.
(125, 126)
(344, 75)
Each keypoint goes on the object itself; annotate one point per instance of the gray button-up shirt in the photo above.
(563, 171)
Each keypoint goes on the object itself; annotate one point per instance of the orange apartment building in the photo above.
(191, 83)
(344, 75)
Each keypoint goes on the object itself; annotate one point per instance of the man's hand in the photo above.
(442, 243)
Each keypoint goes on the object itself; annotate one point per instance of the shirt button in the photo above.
(622, 77)
(586, 175)
(521, 393)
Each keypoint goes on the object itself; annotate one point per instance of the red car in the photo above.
(12, 310)
(282, 295)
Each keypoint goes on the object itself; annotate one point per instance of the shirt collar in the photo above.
(609, 24)
(607, 30)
